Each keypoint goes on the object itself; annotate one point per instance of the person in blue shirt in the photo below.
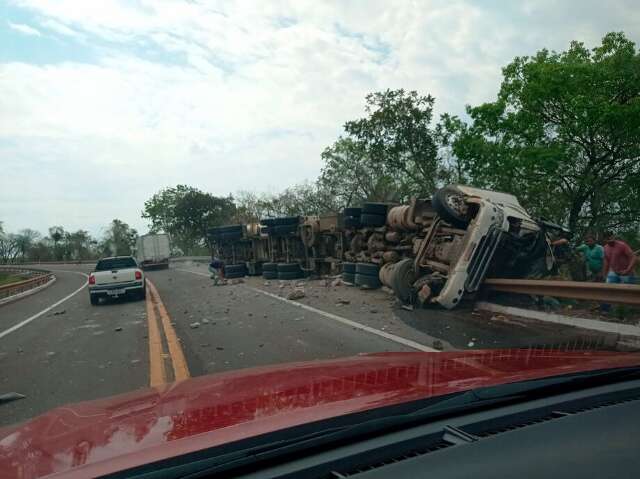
(216, 268)
(594, 257)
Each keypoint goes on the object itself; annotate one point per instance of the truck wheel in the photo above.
(349, 268)
(94, 300)
(375, 209)
(349, 278)
(402, 278)
(450, 206)
(368, 269)
(354, 212)
(367, 281)
(269, 274)
(369, 219)
(289, 275)
(288, 268)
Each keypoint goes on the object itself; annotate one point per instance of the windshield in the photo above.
(115, 263)
(226, 219)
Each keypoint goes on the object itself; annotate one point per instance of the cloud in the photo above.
(230, 96)
(24, 29)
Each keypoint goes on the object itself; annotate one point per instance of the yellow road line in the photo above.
(180, 368)
(157, 372)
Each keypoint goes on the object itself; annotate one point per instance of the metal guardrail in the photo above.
(39, 277)
(599, 292)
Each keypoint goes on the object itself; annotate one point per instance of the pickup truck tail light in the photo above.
(92, 279)
(138, 274)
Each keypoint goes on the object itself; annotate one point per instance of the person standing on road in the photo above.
(216, 267)
(593, 256)
(619, 261)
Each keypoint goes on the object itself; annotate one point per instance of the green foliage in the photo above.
(186, 213)
(563, 135)
(397, 142)
(350, 176)
(119, 239)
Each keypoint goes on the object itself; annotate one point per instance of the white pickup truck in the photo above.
(115, 277)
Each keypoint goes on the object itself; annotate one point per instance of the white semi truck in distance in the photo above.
(153, 251)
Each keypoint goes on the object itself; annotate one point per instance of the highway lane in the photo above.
(188, 327)
(72, 353)
(233, 326)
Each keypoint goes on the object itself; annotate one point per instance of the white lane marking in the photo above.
(46, 310)
(340, 319)
(348, 322)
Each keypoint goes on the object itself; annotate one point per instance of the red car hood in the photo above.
(99, 437)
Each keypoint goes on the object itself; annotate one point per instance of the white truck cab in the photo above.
(115, 277)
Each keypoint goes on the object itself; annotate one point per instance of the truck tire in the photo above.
(289, 268)
(289, 275)
(239, 274)
(230, 236)
(235, 269)
(367, 281)
(355, 212)
(448, 203)
(368, 219)
(349, 278)
(349, 268)
(351, 222)
(375, 209)
(266, 230)
(269, 274)
(282, 230)
(287, 221)
(142, 295)
(94, 300)
(269, 267)
(268, 222)
(402, 279)
(230, 229)
(368, 269)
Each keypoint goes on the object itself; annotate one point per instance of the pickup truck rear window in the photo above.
(115, 263)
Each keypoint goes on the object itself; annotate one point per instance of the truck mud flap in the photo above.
(482, 258)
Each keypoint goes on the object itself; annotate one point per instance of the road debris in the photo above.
(437, 344)
(119, 328)
(407, 307)
(194, 325)
(470, 344)
(58, 313)
(12, 396)
(342, 301)
(296, 294)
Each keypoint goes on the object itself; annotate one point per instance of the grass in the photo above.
(8, 278)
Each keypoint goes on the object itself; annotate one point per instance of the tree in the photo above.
(396, 143)
(187, 213)
(350, 177)
(78, 245)
(25, 240)
(9, 248)
(563, 135)
(56, 233)
(119, 239)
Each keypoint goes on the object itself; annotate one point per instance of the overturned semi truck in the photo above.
(430, 251)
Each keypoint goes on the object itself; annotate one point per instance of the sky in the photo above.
(105, 102)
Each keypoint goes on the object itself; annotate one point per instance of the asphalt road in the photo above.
(188, 327)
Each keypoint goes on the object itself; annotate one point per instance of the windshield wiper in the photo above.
(456, 403)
